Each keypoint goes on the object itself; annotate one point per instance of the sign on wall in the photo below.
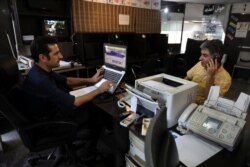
(241, 29)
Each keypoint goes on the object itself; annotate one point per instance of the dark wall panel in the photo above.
(6, 28)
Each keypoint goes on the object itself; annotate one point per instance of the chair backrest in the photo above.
(9, 73)
(244, 59)
(192, 52)
(8, 110)
(36, 136)
(149, 67)
(160, 147)
(9, 77)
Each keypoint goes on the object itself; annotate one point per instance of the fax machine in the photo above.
(171, 92)
(220, 120)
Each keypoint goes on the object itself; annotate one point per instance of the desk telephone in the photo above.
(122, 101)
(211, 124)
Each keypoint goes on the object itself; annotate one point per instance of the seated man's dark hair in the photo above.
(215, 47)
(40, 46)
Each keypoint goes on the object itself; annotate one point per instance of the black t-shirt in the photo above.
(43, 99)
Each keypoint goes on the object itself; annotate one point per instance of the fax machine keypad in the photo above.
(228, 132)
(197, 119)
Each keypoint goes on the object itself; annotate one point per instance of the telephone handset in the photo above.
(186, 114)
(122, 101)
(217, 57)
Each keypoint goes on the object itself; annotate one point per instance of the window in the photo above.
(171, 24)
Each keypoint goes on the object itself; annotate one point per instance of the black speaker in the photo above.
(78, 47)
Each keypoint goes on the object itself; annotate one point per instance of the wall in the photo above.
(171, 24)
(235, 41)
(200, 26)
(99, 17)
(6, 27)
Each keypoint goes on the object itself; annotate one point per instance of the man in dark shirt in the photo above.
(45, 100)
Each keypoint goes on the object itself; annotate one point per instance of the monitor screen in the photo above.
(115, 55)
(66, 49)
(93, 50)
(56, 28)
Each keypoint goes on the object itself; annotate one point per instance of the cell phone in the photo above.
(216, 57)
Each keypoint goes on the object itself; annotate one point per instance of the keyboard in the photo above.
(110, 75)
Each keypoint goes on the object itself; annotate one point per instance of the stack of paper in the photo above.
(194, 150)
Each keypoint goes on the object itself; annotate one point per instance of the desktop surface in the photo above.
(223, 158)
(103, 98)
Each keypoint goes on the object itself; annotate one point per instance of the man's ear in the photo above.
(43, 58)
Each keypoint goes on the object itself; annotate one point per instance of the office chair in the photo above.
(243, 62)
(149, 67)
(160, 148)
(36, 136)
(190, 58)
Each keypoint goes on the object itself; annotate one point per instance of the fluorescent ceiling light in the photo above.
(166, 10)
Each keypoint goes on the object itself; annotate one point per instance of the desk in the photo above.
(68, 69)
(120, 133)
(223, 158)
(235, 158)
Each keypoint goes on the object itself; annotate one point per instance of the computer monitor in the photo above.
(67, 50)
(57, 28)
(115, 56)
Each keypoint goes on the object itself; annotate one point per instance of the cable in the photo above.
(121, 104)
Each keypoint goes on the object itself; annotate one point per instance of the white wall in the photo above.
(171, 24)
(200, 27)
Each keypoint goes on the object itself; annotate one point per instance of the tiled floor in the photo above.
(238, 85)
(15, 153)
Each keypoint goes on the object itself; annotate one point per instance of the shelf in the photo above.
(28, 14)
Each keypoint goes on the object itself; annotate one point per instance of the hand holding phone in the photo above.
(212, 67)
(216, 58)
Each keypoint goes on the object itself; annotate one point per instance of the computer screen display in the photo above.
(55, 28)
(115, 55)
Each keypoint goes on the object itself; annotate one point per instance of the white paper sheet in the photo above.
(123, 19)
(64, 63)
(136, 99)
(242, 102)
(133, 103)
(83, 91)
(193, 150)
(238, 108)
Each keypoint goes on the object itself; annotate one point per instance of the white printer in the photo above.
(171, 92)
